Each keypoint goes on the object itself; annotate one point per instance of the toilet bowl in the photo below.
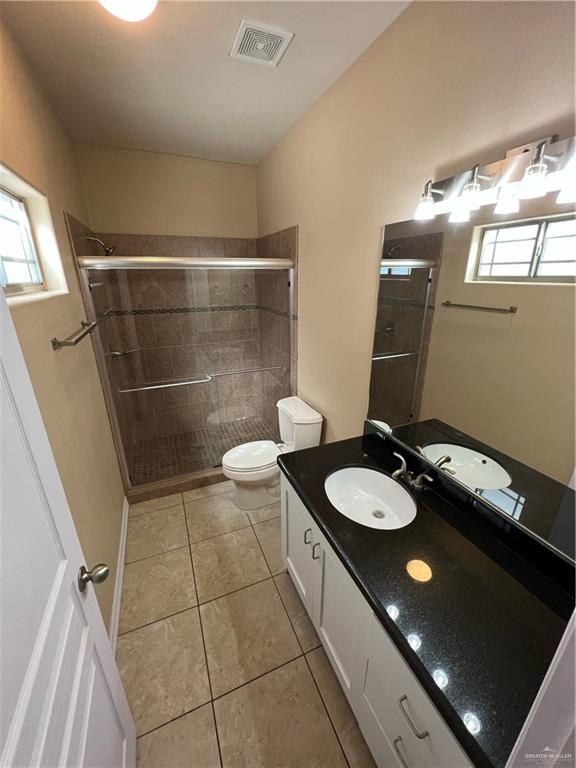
(253, 466)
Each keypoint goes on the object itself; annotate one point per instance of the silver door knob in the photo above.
(97, 575)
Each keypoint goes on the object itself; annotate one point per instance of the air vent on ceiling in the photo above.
(260, 43)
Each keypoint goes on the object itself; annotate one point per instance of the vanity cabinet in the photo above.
(399, 722)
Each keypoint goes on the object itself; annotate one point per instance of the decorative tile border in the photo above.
(192, 310)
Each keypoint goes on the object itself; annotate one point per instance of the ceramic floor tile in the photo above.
(155, 532)
(174, 500)
(208, 490)
(164, 669)
(303, 627)
(246, 634)
(264, 513)
(277, 721)
(226, 563)
(213, 516)
(188, 742)
(155, 588)
(342, 717)
(270, 538)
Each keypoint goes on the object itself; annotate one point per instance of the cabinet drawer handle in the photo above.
(314, 550)
(306, 532)
(401, 757)
(419, 734)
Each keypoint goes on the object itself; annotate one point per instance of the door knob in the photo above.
(97, 575)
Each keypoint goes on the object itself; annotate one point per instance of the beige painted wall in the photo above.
(502, 378)
(66, 383)
(150, 193)
(447, 85)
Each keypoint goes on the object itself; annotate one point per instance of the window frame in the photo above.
(542, 222)
(17, 289)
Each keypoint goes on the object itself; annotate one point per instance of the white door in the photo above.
(298, 536)
(62, 702)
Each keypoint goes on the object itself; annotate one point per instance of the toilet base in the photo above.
(255, 496)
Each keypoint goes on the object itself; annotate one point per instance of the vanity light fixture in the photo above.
(567, 193)
(460, 212)
(425, 207)
(534, 184)
(470, 193)
(393, 611)
(130, 10)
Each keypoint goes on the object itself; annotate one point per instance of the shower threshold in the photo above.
(167, 457)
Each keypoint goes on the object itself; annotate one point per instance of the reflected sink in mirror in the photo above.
(471, 468)
(370, 498)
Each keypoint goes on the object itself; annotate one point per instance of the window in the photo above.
(19, 267)
(398, 272)
(539, 249)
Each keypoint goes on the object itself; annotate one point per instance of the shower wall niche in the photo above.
(193, 360)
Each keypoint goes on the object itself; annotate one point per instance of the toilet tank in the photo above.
(300, 425)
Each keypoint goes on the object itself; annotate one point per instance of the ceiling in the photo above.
(168, 85)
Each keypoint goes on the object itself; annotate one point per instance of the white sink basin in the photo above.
(470, 467)
(370, 498)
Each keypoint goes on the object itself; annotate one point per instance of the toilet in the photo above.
(252, 466)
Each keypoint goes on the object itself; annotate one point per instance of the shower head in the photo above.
(108, 250)
(392, 251)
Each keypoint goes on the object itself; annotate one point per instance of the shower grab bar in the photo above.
(501, 310)
(206, 379)
(73, 339)
(181, 262)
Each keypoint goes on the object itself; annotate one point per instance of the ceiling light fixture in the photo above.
(533, 184)
(130, 10)
(471, 192)
(425, 207)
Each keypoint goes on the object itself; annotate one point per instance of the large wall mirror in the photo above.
(474, 342)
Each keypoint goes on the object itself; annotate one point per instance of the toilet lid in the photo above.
(256, 455)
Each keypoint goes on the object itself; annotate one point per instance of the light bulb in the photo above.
(470, 195)
(534, 182)
(393, 612)
(460, 211)
(130, 10)
(425, 208)
(568, 192)
(507, 201)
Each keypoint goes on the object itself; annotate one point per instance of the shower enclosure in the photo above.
(400, 339)
(194, 353)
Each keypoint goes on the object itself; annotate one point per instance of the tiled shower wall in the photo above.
(178, 324)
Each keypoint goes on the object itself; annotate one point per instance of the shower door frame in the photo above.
(430, 265)
(168, 262)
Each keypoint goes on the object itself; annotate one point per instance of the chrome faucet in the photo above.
(441, 464)
(403, 473)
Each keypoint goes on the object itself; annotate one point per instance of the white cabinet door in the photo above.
(341, 614)
(298, 535)
(62, 702)
(393, 706)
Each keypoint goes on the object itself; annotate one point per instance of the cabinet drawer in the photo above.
(396, 703)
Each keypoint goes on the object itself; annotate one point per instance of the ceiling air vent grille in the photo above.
(260, 43)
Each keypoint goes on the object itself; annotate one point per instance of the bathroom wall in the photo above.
(151, 193)
(440, 90)
(66, 383)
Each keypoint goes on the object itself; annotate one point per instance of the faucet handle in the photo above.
(403, 465)
(419, 483)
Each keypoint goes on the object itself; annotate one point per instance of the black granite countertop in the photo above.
(488, 618)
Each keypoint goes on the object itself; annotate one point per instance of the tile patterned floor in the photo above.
(221, 664)
(165, 457)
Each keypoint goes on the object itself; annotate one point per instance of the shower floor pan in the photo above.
(163, 458)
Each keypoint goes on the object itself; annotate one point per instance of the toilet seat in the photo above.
(251, 457)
